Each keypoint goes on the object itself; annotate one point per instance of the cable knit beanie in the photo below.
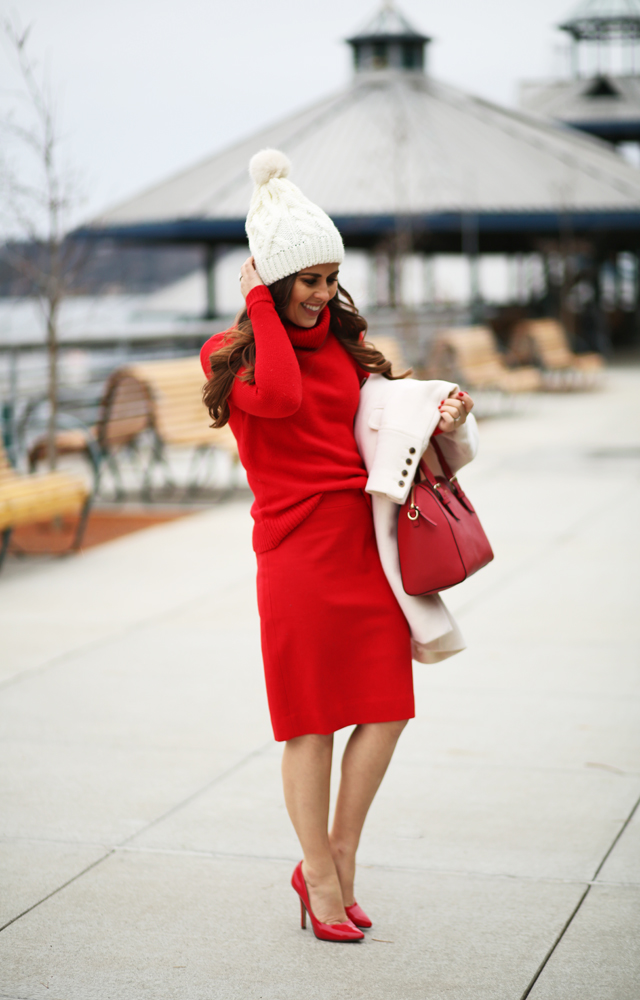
(286, 231)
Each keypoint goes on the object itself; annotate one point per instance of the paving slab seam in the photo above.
(58, 889)
(412, 870)
(96, 643)
(200, 791)
(148, 826)
(541, 554)
(594, 881)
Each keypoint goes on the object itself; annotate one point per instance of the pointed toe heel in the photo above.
(357, 915)
(346, 931)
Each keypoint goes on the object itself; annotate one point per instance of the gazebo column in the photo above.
(546, 270)
(471, 250)
(601, 342)
(210, 260)
(575, 58)
(372, 278)
(636, 290)
(428, 279)
(385, 276)
(474, 279)
(394, 278)
(379, 277)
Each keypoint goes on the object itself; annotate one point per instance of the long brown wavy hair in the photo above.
(238, 350)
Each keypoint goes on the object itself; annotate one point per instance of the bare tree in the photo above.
(39, 194)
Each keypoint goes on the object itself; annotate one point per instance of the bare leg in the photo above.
(365, 760)
(306, 776)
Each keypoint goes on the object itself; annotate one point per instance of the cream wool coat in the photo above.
(392, 418)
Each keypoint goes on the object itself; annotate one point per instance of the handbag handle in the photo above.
(444, 465)
(446, 468)
(452, 480)
(441, 488)
(438, 485)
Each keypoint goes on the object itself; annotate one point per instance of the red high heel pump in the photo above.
(325, 932)
(357, 915)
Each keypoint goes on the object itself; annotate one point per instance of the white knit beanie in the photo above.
(286, 231)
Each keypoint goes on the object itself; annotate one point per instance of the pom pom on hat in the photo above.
(286, 231)
(267, 164)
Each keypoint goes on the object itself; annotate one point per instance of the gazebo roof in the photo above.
(606, 104)
(395, 144)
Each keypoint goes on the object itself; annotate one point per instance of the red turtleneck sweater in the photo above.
(294, 423)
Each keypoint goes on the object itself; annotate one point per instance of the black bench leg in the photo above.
(4, 544)
(82, 524)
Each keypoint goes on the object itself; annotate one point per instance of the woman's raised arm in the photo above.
(277, 387)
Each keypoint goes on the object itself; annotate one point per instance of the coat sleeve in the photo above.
(277, 387)
(405, 422)
(461, 446)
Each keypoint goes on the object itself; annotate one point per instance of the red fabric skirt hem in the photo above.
(291, 726)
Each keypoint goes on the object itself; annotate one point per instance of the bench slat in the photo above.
(25, 499)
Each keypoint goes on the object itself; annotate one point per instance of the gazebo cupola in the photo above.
(608, 29)
(389, 42)
(602, 96)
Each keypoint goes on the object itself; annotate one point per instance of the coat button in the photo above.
(412, 451)
(409, 461)
(405, 472)
(401, 482)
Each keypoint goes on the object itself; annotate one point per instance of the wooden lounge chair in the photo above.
(392, 350)
(545, 343)
(470, 356)
(25, 499)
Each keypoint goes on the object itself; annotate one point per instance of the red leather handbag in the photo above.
(440, 539)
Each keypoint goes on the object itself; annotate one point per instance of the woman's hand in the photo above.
(454, 411)
(249, 277)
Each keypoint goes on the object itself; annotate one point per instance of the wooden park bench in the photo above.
(125, 413)
(179, 417)
(470, 356)
(544, 342)
(27, 499)
(158, 399)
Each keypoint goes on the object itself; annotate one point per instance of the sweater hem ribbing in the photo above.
(269, 532)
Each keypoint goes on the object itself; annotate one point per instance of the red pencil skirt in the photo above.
(335, 643)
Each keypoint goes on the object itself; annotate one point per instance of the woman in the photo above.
(336, 646)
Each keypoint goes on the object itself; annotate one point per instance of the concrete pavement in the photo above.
(144, 846)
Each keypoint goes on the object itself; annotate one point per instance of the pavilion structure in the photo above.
(601, 96)
(406, 164)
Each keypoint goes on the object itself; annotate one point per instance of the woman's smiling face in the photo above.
(312, 289)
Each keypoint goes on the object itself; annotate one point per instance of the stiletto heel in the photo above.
(346, 931)
(357, 915)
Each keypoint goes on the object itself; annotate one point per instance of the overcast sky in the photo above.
(150, 86)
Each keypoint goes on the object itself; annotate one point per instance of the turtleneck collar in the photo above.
(310, 337)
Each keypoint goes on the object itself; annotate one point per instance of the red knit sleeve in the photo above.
(277, 387)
